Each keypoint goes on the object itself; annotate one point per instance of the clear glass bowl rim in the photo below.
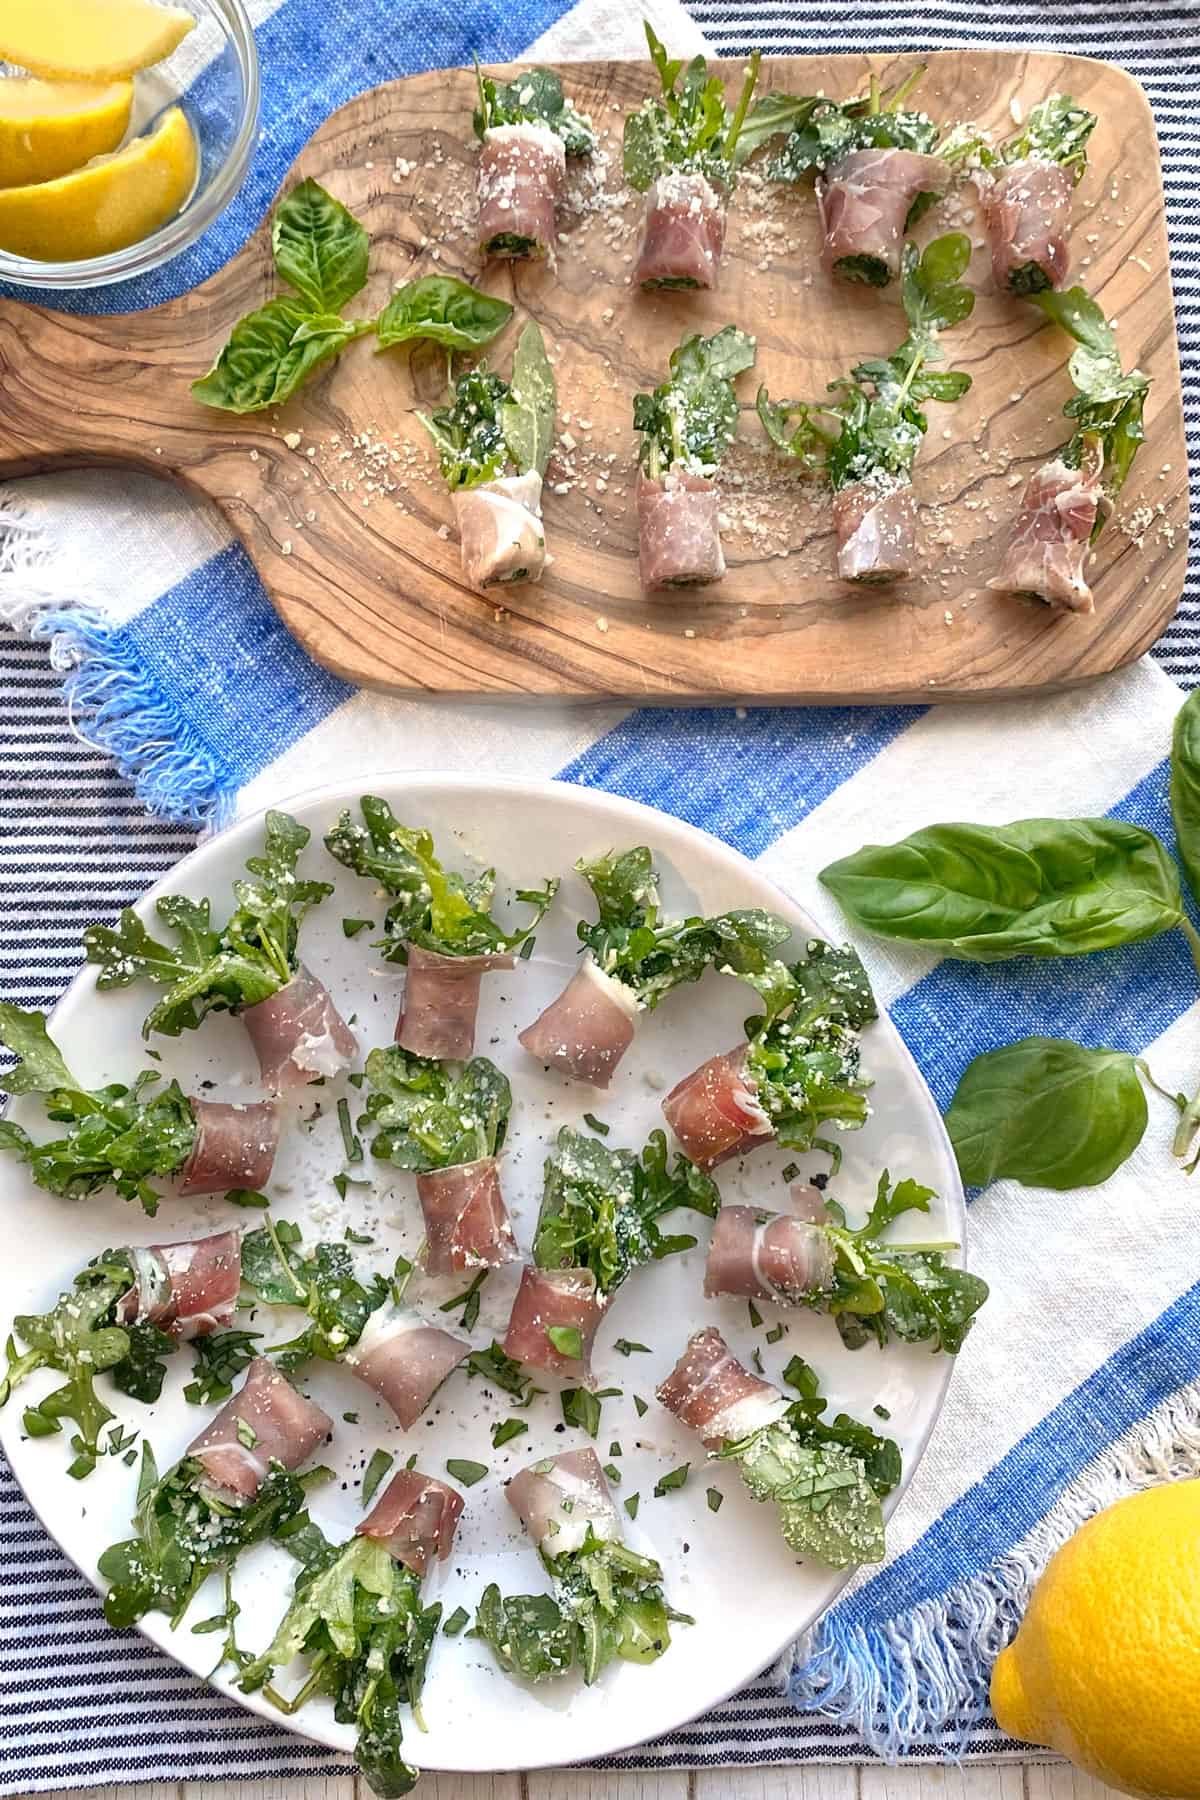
(153, 251)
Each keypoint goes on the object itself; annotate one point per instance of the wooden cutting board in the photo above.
(352, 531)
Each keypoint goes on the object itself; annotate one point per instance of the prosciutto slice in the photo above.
(234, 1146)
(1027, 211)
(404, 1359)
(864, 202)
(876, 527)
(679, 534)
(710, 1391)
(767, 1256)
(1049, 542)
(466, 1221)
(714, 1111)
(520, 180)
(546, 1297)
(558, 1498)
(415, 1517)
(500, 530)
(266, 1421)
(441, 1001)
(188, 1289)
(299, 1034)
(588, 1029)
(684, 234)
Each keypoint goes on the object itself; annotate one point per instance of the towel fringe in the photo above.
(922, 1680)
(113, 704)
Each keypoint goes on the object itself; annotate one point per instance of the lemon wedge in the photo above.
(48, 128)
(99, 40)
(115, 200)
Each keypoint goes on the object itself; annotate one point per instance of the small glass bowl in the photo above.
(214, 76)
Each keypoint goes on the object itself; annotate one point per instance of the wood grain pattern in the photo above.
(351, 529)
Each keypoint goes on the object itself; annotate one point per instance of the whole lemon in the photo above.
(1106, 1665)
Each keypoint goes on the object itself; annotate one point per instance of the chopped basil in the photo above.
(352, 927)
(351, 1144)
(625, 1348)
(881, 1412)
(755, 1315)
(247, 1197)
(614, 1449)
(506, 1429)
(454, 1624)
(582, 1408)
(468, 1300)
(596, 1124)
(567, 1340)
(631, 1505)
(756, 1359)
(466, 1472)
(775, 1333)
(613, 1473)
(675, 1479)
(716, 1500)
(381, 1461)
(351, 1418)
(641, 1405)
(357, 1237)
(247, 1437)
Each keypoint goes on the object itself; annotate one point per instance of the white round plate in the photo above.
(731, 1570)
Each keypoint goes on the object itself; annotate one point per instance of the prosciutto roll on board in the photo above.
(684, 232)
(588, 1029)
(679, 534)
(1027, 211)
(188, 1289)
(567, 1298)
(298, 1034)
(441, 1002)
(466, 1221)
(715, 1113)
(709, 1391)
(1050, 538)
(520, 181)
(500, 530)
(404, 1359)
(266, 1421)
(876, 527)
(864, 202)
(234, 1146)
(559, 1498)
(767, 1256)
(415, 1517)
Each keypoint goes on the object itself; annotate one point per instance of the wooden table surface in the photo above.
(1009, 1781)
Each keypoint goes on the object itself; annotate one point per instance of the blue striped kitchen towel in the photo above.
(1079, 1382)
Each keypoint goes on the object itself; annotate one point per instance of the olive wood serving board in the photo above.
(352, 530)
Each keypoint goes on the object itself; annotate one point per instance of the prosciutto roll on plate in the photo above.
(188, 1289)
(767, 1256)
(1051, 535)
(500, 530)
(714, 1112)
(266, 1421)
(876, 527)
(298, 1034)
(234, 1146)
(679, 533)
(404, 1359)
(684, 233)
(1027, 211)
(864, 202)
(559, 1498)
(466, 1221)
(441, 1002)
(709, 1391)
(416, 1517)
(520, 180)
(588, 1029)
(563, 1298)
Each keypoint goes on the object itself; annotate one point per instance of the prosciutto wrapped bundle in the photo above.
(527, 129)
(404, 1359)
(299, 1035)
(466, 1221)
(684, 232)
(876, 527)
(560, 1500)
(679, 533)
(266, 1421)
(767, 1256)
(582, 1255)
(1027, 187)
(865, 201)
(500, 530)
(711, 1393)
(415, 1519)
(188, 1289)
(800, 1069)
(439, 924)
(1052, 535)
(234, 1147)
(588, 1029)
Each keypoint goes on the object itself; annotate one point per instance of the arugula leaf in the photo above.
(804, 1055)
(1038, 887)
(1056, 131)
(320, 249)
(530, 408)
(1109, 404)
(689, 420)
(432, 906)
(600, 1207)
(41, 1069)
(689, 127)
(443, 310)
(357, 1618)
(1046, 1112)
(251, 958)
(468, 435)
(220, 1358)
(433, 1115)
(184, 1532)
(772, 115)
(534, 97)
(824, 131)
(649, 955)
(271, 353)
(321, 1283)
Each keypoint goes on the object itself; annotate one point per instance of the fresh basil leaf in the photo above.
(320, 249)
(529, 410)
(1047, 1112)
(1185, 790)
(270, 354)
(443, 310)
(1038, 887)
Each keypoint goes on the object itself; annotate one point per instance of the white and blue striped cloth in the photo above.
(1080, 1379)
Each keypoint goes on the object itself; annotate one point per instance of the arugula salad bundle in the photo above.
(320, 1280)
(526, 128)
(864, 441)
